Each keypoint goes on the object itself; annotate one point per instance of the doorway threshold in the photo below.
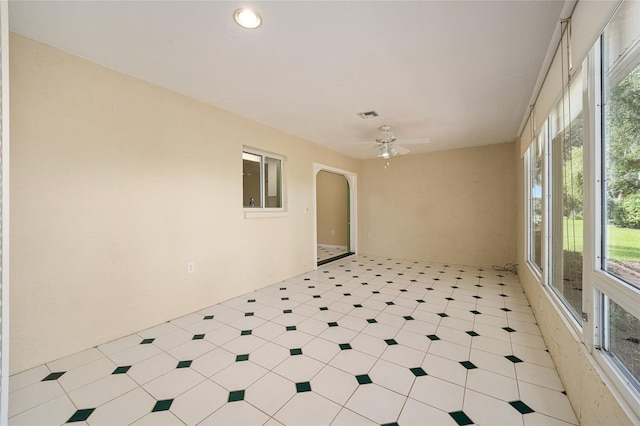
(334, 258)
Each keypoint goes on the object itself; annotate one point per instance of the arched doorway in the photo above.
(335, 213)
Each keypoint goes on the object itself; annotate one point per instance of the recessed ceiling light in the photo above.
(247, 18)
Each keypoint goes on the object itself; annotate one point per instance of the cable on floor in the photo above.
(509, 267)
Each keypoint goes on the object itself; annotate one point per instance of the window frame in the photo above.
(604, 286)
(552, 185)
(539, 271)
(282, 187)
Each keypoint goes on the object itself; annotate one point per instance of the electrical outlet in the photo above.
(191, 267)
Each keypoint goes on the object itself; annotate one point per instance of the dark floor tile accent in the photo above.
(303, 387)
(338, 285)
(474, 312)
(316, 296)
(248, 314)
(147, 341)
(472, 333)
(283, 288)
(364, 379)
(121, 370)
(307, 279)
(468, 365)
(357, 306)
(503, 284)
(390, 342)
(81, 415)
(476, 297)
(184, 364)
(509, 329)
(433, 337)
(521, 407)
(458, 278)
(197, 337)
(420, 301)
(324, 308)
(454, 286)
(291, 328)
(372, 321)
(461, 418)
(311, 286)
(53, 376)
(251, 301)
(296, 351)
(284, 298)
(332, 324)
(408, 318)
(390, 424)
(242, 357)
(245, 333)
(505, 309)
(208, 317)
(418, 371)
(403, 290)
(514, 359)
(162, 405)
(503, 295)
(346, 294)
(345, 346)
(236, 396)
(443, 315)
(287, 311)
(364, 283)
(449, 298)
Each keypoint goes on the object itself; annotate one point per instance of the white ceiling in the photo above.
(459, 72)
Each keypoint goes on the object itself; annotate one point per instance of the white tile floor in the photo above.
(359, 341)
(326, 252)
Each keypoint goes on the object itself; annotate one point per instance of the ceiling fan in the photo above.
(389, 146)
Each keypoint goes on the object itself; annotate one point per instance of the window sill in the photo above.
(264, 214)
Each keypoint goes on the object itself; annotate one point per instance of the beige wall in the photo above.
(590, 396)
(116, 185)
(451, 206)
(332, 208)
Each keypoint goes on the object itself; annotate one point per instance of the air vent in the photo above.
(368, 114)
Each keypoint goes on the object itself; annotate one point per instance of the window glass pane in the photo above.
(567, 189)
(624, 340)
(621, 192)
(273, 182)
(251, 196)
(535, 201)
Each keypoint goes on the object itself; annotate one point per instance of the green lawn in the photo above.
(624, 244)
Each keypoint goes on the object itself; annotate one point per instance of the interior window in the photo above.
(261, 181)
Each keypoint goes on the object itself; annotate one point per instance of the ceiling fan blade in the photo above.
(413, 141)
(401, 149)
